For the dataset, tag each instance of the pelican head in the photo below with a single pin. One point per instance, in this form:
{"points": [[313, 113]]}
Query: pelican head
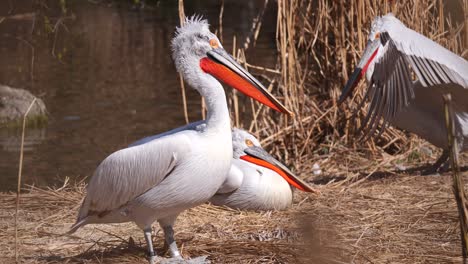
{"points": [[192, 43], [246, 147], [375, 48], [199, 56]]}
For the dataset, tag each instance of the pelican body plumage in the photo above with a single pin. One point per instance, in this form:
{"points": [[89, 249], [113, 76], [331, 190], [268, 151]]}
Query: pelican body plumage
{"points": [[182, 168], [256, 180]]}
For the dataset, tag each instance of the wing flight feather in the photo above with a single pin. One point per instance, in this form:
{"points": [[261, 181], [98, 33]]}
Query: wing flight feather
{"points": [[391, 85]]}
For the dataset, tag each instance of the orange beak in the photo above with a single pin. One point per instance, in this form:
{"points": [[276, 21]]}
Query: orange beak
{"points": [[260, 157], [222, 66], [369, 54]]}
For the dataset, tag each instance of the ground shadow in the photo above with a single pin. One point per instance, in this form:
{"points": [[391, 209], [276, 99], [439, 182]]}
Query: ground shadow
{"points": [[105, 252], [114, 254], [415, 171]]}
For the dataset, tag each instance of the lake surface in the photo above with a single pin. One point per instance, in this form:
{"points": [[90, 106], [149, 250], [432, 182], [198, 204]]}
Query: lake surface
{"points": [[105, 72]]}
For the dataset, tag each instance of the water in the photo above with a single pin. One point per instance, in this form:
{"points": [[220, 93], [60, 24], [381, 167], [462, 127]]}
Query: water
{"points": [[106, 77]]}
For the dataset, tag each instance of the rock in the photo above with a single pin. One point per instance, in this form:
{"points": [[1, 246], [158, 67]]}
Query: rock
{"points": [[15, 102], [316, 169]]}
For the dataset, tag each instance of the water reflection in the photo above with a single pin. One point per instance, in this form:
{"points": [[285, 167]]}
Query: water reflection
{"points": [[10, 140], [106, 77]]}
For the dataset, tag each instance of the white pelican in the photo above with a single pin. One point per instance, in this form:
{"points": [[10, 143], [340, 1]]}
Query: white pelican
{"points": [[184, 167], [256, 180], [395, 55]]}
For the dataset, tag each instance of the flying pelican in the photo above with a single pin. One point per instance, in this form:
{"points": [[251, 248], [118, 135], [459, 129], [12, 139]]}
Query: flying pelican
{"points": [[182, 168], [396, 55], [256, 180]]}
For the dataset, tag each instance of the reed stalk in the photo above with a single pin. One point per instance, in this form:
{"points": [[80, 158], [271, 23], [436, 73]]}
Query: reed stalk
{"points": [[458, 185], [20, 171], [182, 84]]}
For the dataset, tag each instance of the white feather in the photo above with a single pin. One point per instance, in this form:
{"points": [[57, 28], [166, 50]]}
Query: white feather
{"points": [[249, 186]]}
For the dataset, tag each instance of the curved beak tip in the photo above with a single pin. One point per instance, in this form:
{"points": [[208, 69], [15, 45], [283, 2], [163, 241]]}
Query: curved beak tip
{"points": [[315, 191], [259, 156]]}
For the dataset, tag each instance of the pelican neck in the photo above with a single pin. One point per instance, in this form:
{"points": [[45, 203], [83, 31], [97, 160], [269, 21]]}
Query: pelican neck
{"points": [[216, 105]]}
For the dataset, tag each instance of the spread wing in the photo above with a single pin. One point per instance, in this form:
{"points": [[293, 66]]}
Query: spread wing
{"points": [[391, 84], [390, 88], [130, 172]]}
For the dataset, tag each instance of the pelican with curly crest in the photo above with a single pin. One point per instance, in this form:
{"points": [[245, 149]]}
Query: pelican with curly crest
{"points": [[181, 168]]}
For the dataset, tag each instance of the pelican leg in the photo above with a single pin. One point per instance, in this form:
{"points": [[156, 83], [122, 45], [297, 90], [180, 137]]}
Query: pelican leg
{"points": [[152, 256], [441, 163], [170, 242], [167, 224], [176, 258]]}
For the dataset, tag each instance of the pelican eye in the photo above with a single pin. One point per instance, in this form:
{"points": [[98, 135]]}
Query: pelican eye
{"points": [[214, 43], [377, 35], [249, 143]]}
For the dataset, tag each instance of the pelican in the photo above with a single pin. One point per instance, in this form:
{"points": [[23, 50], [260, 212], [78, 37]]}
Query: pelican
{"points": [[182, 168], [408, 74], [256, 180]]}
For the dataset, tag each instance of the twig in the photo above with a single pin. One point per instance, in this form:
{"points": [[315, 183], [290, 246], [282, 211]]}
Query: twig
{"points": [[256, 26], [221, 12], [458, 186], [182, 85], [20, 169]]}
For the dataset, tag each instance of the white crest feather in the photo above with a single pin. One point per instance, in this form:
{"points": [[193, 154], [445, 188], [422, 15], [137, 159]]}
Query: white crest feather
{"points": [[193, 23]]}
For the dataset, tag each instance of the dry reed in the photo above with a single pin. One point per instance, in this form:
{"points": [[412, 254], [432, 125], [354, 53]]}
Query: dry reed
{"points": [[319, 43], [20, 170], [458, 185], [182, 84]]}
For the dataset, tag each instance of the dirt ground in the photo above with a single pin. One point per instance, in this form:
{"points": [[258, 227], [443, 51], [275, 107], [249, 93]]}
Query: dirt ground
{"points": [[384, 218]]}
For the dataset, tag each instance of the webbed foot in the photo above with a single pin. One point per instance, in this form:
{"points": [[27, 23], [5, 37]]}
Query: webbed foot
{"points": [[180, 260]]}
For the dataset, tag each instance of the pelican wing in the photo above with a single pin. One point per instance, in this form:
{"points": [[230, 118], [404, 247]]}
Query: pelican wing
{"points": [[432, 63], [390, 87], [391, 84], [130, 172], [198, 125]]}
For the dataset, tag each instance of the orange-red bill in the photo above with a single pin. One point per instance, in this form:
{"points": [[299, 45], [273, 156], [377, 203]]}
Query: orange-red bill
{"points": [[370, 52], [290, 178], [355, 78], [364, 69], [220, 65]]}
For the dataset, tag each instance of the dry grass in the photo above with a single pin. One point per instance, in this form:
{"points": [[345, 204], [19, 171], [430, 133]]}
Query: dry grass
{"points": [[389, 218], [398, 219], [225, 235]]}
